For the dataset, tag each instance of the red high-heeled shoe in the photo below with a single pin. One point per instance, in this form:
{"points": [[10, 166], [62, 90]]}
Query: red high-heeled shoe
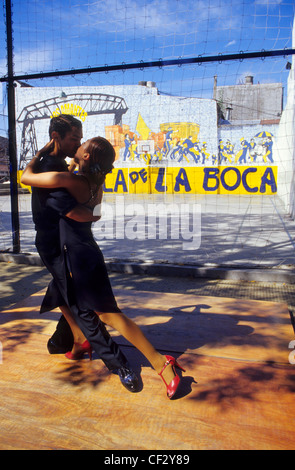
{"points": [[82, 349], [172, 387]]}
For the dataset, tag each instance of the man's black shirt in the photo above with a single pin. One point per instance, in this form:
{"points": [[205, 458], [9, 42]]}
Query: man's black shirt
{"points": [[46, 216]]}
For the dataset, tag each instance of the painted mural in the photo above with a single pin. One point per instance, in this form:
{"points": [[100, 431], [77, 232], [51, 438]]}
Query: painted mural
{"points": [[154, 155], [179, 143], [175, 160]]}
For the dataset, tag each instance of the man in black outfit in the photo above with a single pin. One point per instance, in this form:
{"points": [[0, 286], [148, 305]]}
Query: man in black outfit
{"points": [[48, 205]]}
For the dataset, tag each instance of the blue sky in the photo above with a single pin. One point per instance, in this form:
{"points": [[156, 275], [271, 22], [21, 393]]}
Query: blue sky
{"points": [[78, 33], [64, 34]]}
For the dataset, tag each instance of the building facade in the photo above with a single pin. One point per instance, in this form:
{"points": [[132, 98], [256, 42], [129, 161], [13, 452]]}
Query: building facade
{"points": [[163, 144]]}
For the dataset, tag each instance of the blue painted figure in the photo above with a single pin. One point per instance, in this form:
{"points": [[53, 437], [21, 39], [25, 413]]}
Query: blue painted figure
{"points": [[128, 143], [268, 144]]}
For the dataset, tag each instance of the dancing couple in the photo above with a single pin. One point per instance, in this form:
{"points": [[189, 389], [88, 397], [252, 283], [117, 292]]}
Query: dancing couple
{"points": [[63, 205]]}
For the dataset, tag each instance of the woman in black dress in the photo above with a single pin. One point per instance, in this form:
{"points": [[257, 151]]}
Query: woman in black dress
{"points": [[88, 282]]}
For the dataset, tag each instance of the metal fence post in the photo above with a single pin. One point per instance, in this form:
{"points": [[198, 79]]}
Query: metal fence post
{"points": [[12, 133]]}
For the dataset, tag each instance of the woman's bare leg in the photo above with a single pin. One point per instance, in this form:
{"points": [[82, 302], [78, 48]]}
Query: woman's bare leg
{"points": [[127, 328], [79, 337]]}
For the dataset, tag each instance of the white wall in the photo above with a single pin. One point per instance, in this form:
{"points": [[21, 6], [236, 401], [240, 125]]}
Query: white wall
{"points": [[155, 110], [285, 145]]}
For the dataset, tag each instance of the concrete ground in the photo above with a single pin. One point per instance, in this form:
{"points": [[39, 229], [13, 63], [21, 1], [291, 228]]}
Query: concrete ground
{"points": [[244, 247], [19, 281], [207, 231]]}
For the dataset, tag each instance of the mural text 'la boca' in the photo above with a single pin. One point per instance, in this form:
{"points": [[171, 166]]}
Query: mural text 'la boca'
{"points": [[194, 180]]}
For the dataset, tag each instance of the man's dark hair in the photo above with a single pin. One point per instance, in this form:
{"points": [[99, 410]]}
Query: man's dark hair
{"points": [[63, 124]]}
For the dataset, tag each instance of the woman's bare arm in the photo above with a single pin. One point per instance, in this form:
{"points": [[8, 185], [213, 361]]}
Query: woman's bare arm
{"points": [[76, 185], [82, 214], [54, 179]]}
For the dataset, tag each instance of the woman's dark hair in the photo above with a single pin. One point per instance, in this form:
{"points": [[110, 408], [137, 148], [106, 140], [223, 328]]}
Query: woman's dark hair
{"points": [[102, 155], [63, 124]]}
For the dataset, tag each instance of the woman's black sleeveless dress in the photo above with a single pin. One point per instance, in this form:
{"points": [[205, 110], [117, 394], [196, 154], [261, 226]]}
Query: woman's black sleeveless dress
{"points": [[85, 282]]}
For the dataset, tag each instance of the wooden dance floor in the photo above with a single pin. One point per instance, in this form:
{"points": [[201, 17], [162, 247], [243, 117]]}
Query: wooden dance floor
{"points": [[238, 391]]}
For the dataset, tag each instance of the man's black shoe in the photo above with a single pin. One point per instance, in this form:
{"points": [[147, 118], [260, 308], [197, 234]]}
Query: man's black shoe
{"points": [[128, 378], [54, 349]]}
